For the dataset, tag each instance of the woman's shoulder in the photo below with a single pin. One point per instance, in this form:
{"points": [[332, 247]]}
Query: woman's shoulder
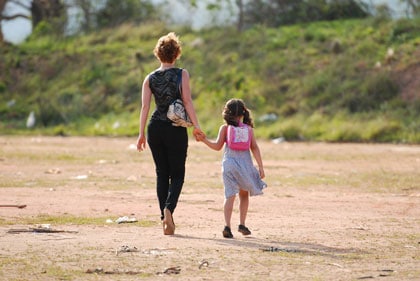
{"points": [[146, 79], [185, 72]]}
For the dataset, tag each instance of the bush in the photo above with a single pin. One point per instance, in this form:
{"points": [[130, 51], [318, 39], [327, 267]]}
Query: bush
{"points": [[292, 133], [383, 131], [2, 87], [376, 90], [405, 29]]}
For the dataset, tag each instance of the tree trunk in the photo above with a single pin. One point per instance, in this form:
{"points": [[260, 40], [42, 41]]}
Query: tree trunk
{"points": [[85, 6], [240, 5], [2, 6]]}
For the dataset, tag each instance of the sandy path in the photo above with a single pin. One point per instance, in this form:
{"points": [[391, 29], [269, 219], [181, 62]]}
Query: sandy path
{"points": [[331, 212]]}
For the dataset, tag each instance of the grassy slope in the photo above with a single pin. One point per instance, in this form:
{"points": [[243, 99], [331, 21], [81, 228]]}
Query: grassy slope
{"points": [[320, 80]]}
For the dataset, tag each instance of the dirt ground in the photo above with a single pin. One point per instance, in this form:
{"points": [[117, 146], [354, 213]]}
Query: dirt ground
{"points": [[330, 212]]}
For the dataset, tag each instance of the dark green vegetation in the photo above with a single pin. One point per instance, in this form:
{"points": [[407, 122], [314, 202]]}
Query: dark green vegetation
{"points": [[352, 80]]}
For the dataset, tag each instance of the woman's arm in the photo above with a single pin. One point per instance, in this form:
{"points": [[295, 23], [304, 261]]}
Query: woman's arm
{"points": [[189, 106], [220, 141], [257, 155], [187, 99], [146, 97]]}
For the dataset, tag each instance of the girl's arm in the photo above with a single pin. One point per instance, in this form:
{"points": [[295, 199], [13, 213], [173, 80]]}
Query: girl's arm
{"points": [[257, 155], [146, 96], [220, 141]]}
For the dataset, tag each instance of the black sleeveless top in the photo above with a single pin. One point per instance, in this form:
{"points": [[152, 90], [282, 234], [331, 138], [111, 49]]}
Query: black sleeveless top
{"points": [[165, 88]]}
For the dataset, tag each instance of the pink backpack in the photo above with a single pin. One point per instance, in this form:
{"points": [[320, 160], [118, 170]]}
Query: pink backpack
{"points": [[239, 138]]}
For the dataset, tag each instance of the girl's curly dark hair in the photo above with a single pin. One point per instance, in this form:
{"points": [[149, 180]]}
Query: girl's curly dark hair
{"points": [[235, 108]]}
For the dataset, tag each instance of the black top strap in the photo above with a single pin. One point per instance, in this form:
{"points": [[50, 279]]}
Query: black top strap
{"points": [[180, 82]]}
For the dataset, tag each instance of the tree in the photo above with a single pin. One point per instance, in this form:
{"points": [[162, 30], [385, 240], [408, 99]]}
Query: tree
{"points": [[240, 24], [5, 16], [51, 11], [86, 8], [413, 7], [45, 10], [86, 12], [218, 5], [108, 13]]}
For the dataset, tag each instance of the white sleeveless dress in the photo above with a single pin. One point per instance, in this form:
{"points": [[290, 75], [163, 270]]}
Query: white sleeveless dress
{"points": [[239, 172]]}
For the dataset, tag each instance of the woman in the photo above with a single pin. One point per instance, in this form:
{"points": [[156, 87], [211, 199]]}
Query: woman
{"points": [[168, 143]]}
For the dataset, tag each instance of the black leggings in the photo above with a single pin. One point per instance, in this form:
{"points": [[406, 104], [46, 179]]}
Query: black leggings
{"points": [[169, 146]]}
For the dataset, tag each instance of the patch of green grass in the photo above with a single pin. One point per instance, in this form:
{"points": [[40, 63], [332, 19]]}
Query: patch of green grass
{"points": [[12, 183], [5, 261], [68, 220], [59, 273], [385, 181], [30, 264], [34, 156], [13, 264], [342, 127], [308, 180], [369, 181]]}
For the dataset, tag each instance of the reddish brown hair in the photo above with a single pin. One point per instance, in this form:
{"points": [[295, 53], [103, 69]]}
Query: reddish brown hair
{"points": [[168, 48]]}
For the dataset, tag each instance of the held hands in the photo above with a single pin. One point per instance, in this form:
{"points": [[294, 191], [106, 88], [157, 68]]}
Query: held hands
{"points": [[198, 134]]}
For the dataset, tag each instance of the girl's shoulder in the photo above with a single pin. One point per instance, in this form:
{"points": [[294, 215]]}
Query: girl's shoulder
{"points": [[250, 128]]}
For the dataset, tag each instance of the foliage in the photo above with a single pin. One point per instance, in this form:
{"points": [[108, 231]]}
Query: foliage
{"points": [[328, 80], [283, 12], [115, 13]]}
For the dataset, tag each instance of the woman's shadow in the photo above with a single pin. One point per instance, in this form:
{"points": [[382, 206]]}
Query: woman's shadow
{"points": [[251, 242]]}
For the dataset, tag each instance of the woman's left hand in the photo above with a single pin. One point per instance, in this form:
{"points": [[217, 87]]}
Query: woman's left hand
{"points": [[141, 143], [198, 134]]}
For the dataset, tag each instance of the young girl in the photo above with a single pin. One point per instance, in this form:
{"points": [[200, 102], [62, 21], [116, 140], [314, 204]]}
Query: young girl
{"points": [[239, 174]]}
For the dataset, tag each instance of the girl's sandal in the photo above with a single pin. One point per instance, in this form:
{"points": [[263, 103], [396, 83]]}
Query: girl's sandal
{"points": [[227, 233], [244, 230]]}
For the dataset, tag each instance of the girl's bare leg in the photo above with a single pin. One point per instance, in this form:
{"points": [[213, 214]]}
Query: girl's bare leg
{"points": [[243, 205], [228, 208]]}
